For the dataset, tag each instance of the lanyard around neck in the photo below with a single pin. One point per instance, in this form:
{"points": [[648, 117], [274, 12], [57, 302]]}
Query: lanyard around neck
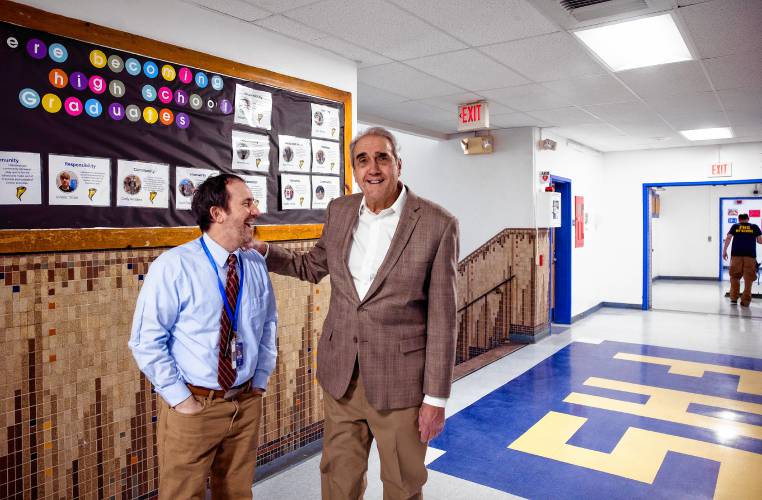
{"points": [[232, 315]]}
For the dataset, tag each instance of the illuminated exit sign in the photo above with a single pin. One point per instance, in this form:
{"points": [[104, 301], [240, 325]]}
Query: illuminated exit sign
{"points": [[721, 170], [473, 116]]}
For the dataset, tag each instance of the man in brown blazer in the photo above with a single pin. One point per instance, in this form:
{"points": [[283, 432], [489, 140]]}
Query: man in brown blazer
{"points": [[387, 351]]}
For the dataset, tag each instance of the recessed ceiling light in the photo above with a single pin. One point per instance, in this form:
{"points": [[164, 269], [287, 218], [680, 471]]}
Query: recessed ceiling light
{"points": [[636, 44], [705, 134]]}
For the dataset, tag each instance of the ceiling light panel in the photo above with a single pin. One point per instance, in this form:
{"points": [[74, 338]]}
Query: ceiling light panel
{"points": [[648, 41], [706, 134]]}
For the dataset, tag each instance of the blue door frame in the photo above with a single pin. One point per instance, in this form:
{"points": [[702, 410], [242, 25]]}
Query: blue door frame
{"points": [[563, 264], [646, 221], [719, 273]]}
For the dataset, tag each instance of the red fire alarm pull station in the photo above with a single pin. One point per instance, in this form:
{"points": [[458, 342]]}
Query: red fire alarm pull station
{"points": [[579, 221]]}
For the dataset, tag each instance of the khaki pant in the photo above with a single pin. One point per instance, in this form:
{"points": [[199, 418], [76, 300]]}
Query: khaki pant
{"points": [[746, 268], [221, 440], [351, 424]]}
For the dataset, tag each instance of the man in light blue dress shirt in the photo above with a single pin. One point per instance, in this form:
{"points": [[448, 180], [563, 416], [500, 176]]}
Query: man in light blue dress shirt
{"points": [[179, 324]]}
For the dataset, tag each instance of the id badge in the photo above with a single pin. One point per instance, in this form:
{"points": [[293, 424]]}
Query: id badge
{"points": [[232, 349], [239, 353]]}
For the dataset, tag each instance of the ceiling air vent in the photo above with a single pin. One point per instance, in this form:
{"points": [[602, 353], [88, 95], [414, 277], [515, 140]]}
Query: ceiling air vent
{"points": [[586, 10]]}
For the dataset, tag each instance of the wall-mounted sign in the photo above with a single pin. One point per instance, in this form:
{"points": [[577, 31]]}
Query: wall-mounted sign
{"points": [[473, 116], [721, 170]]}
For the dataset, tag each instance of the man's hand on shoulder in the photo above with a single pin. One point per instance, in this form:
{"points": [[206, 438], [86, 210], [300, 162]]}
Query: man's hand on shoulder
{"points": [[189, 406], [258, 245], [430, 421]]}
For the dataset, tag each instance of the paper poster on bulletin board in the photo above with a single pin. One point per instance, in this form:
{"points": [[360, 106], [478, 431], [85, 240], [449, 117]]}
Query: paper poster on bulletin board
{"points": [[105, 138]]}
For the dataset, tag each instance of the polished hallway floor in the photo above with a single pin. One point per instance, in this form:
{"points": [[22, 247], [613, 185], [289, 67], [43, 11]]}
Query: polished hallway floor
{"points": [[702, 296], [624, 404]]}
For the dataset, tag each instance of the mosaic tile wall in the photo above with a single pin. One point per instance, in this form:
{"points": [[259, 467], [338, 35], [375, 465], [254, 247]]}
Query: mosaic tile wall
{"points": [[77, 419], [502, 292]]}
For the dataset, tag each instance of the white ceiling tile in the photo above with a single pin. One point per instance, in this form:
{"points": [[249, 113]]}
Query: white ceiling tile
{"points": [[564, 117], [742, 99], [509, 120], [627, 112], [437, 126], [745, 118], [404, 80], [724, 27], [556, 56], [378, 26], [290, 28], [491, 21], [526, 97], [450, 102], [412, 112], [361, 56], [235, 8], [279, 5], [601, 89], [594, 129], [645, 130], [679, 103], [629, 143], [666, 79], [372, 96], [695, 119], [736, 71], [469, 69], [748, 131]]}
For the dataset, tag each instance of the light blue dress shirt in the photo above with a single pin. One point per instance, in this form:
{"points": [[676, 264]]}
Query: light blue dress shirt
{"points": [[176, 327]]}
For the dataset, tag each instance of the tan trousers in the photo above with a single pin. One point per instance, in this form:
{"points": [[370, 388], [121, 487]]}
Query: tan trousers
{"points": [[221, 440], [746, 268], [351, 424]]}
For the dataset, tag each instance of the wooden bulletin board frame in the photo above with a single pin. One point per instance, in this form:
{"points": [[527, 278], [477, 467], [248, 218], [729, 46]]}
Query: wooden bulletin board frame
{"points": [[54, 240]]}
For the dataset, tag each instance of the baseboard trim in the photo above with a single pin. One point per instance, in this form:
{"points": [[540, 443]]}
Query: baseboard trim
{"points": [[525, 338], [686, 278], [586, 313], [599, 305], [288, 460], [622, 305]]}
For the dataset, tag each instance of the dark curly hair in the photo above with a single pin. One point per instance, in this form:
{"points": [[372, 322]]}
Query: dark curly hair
{"points": [[213, 192]]}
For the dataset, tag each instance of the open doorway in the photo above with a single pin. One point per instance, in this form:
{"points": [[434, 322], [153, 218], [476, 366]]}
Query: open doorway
{"points": [[560, 289], [684, 227]]}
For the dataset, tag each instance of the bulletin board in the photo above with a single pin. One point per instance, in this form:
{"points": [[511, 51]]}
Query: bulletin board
{"points": [[105, 136]]}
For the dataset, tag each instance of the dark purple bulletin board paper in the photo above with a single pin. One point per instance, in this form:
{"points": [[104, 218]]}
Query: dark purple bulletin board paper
{"points": [[206, 143]]}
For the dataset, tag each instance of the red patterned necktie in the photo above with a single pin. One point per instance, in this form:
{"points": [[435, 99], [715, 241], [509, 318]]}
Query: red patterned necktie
{"points": [[226, 374]]}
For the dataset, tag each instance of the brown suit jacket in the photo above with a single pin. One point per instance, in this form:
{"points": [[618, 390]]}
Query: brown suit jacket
{"points": [[403, 332]]}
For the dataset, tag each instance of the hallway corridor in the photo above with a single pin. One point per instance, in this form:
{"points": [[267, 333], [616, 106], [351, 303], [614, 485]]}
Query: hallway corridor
{"points": [[624, 404]]}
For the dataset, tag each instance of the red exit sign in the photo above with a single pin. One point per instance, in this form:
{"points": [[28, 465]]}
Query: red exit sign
{"points": [[473, 116], [721, 170]]}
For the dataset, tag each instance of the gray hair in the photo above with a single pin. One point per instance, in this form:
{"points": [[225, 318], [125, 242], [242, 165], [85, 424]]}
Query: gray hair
{"points": [[376, 131]]}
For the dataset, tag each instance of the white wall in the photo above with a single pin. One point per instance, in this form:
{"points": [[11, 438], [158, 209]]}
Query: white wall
{"points": [[487, 193], [585, 169], [185, 25], [686, 236], [621, 221]]}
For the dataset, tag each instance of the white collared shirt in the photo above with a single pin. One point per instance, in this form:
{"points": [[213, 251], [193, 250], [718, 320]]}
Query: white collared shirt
{"points": [[371, 239]]}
